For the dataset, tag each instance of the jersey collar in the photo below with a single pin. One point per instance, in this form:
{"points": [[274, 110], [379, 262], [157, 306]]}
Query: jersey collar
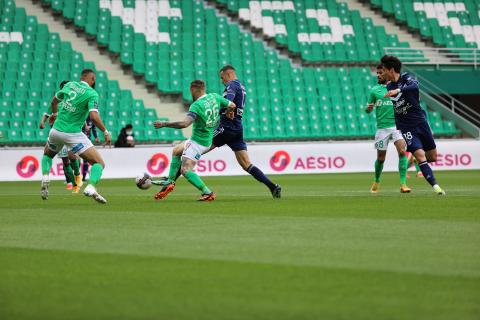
{"points": [[85, 83], [201, 96]]}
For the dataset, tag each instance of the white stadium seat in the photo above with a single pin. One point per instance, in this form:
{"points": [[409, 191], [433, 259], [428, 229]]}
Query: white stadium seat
{"points": [[288, 5], [303, 37], [244, 14], [311, 13], [16, 37], [268, 26], [460, 6], [418, 6], [277, 5], [128, 16], [280, 29], [315, 37], [450, 6], [117, 8], [4, 37]]}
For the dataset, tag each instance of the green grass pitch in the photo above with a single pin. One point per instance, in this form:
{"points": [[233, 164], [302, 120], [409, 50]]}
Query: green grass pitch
{"points": [[327, 250]]}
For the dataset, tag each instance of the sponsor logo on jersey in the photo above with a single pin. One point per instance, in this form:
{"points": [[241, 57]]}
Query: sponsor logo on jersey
{"points": [[157, 163], [280, 160], [27, 166]]}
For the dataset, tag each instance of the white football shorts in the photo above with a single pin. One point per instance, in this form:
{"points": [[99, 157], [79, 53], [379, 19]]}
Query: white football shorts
{"points": [[384, 136], [78, 143], [193, 150]]}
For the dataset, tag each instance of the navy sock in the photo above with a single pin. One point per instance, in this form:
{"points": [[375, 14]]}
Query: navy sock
{"points": [[427, 173], [260, 176], [84, 170]]}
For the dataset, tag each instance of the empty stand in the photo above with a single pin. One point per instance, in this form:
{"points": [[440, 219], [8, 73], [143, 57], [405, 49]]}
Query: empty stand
{"points": [[34, 61]]}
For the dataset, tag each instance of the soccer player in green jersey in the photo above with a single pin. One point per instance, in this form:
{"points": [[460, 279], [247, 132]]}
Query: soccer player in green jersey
{"points": [[204, 114], [386, 132], [74, 102], [71, 165]]}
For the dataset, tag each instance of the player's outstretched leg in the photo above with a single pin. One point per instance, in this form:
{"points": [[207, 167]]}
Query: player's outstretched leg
{"points": [[244, 161], [427, 171], [93, 157]]}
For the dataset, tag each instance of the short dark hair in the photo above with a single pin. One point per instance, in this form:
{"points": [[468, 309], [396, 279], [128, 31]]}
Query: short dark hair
{"points": [[390, 62], [379, 66], [63, 83], [198, 84], [87, 71], [227, 67], [129, 126]]}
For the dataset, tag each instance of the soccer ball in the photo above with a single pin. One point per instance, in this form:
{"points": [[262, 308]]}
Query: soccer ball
{"points": [[143, 181]]}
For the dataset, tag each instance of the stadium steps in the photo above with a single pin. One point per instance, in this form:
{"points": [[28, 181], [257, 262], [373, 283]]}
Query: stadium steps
{"points": [[171, 110], [367, 11]]}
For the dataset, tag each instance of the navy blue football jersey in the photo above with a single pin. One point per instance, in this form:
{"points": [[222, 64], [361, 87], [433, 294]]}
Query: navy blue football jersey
{"points": [[406, 104], [235, 92]]}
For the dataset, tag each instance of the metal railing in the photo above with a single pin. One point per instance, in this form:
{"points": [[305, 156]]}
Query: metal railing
{"points": [[463, 113], [437, 56]]}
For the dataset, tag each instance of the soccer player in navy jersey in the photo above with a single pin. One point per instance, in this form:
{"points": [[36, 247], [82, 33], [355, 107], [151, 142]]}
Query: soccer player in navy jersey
{"points": [[230, 130], [410, 118]]}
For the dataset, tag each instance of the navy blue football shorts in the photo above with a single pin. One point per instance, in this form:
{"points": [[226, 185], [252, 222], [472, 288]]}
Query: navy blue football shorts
{"points": [[418, 137], [231, 138]]}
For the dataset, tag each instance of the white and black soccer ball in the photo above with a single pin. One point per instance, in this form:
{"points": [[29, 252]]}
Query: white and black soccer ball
{"points": [[143, 181]]}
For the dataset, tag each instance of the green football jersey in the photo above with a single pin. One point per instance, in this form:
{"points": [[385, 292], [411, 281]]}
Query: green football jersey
{"points": [[76, 100], [207, 109], [383, 107]]}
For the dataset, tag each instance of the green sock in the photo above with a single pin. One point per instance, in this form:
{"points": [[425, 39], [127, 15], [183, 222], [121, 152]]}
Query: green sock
{"points": [[69, 174], [46, 165], [378, 170], [174, 167], [75, 166], [95, 173], [417, 167], [194, 179], [402, 169]]}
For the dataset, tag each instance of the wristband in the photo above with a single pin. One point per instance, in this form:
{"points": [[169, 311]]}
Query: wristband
{"points": [[106, 132]]}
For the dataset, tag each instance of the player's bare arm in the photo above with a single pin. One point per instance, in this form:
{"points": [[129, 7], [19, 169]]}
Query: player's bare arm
{"points": [[97, 121], [44, 119], [54, 106], [230, 111], [370, 107], [176, 125], [392, 93]]}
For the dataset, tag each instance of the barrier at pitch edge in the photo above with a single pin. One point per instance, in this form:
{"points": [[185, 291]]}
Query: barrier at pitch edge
{"points": [[289, 158]]}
